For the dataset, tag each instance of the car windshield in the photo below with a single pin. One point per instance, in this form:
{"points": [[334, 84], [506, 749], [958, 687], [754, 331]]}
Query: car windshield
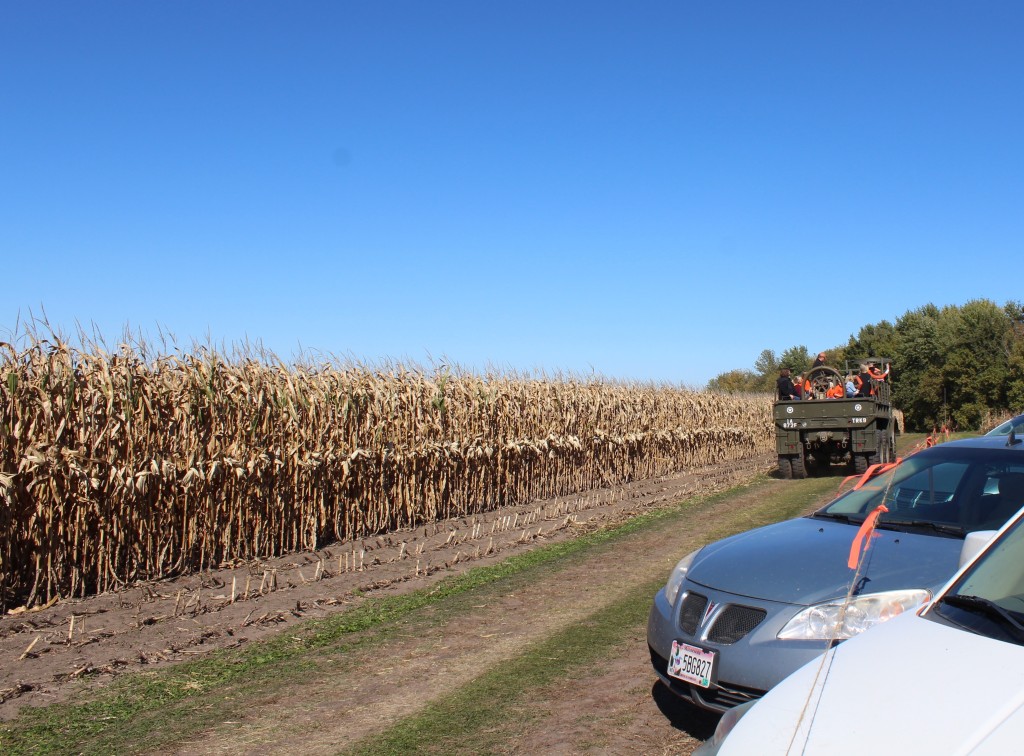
{"points": [[1016, 424], [988, 598], [949, 490]]}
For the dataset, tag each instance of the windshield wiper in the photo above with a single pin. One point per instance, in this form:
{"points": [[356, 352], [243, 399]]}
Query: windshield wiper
{"points": [[987, 607], [945, 528], [854, 519]]}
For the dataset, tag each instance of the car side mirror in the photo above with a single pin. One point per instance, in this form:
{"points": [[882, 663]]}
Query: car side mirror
{"points": [[973, 544]]}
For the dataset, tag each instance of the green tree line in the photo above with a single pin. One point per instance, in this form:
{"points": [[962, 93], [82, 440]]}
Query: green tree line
{"points": [[961, 365]]}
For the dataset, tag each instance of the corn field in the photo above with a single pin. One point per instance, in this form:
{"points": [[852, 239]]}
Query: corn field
{"points": [[120, 465]]}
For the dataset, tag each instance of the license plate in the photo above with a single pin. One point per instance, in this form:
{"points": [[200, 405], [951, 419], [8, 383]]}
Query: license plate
{"points": [[692, 664]]}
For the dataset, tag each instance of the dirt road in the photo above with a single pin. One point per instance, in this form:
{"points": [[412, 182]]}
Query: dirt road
{"points": [[345, 699]]}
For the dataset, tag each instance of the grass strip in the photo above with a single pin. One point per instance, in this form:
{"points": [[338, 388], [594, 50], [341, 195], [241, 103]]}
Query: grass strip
{"points": [[147, 710], [478, 717], [136, 710], [466, 721]]}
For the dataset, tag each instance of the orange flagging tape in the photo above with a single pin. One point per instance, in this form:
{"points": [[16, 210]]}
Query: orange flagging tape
{"points": [[862, 536], [873, 471], [846, 480], [869, 473]]}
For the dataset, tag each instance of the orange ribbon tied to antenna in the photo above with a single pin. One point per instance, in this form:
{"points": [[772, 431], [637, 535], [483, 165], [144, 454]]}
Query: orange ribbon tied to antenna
{"points": [[863, 532]]}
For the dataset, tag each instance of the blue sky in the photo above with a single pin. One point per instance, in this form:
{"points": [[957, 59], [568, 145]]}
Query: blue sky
{"points": [[653, 190]]}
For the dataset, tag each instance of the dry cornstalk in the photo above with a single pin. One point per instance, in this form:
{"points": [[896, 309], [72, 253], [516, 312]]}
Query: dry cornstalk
{"points": [[28, 651], [268, 458]]}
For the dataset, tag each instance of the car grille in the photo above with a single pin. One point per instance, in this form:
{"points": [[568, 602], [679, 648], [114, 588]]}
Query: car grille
{"points": [[691, 612], [734, 622], [724, 696]]}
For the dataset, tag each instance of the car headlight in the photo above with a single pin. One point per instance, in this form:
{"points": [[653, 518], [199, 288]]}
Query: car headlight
{"points": [[675, 580], [828, 621]]}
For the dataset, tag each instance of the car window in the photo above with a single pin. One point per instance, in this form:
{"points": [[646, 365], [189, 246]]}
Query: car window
{"points": [[975, 491], [919, 483], [999, 576], [1015, 424], [988, 598], [929, 493], [1002, 495]]}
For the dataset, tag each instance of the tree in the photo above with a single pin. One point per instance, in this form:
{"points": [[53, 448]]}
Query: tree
{"points": [[797, 359], [766, 363], [874, 340], [918, 389], [837, 356], [1014, 349], [767, 367], [735, 382], [976, 367], [958, 363]]}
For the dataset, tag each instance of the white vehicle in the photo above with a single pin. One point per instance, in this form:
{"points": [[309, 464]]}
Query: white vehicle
{"points": [[948, 678]]}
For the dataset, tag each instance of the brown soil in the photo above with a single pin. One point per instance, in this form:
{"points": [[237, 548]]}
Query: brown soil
{"points": [[50, 654]]}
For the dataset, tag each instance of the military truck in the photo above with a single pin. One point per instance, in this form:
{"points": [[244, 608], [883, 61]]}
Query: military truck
{"points": [[816, 432]]}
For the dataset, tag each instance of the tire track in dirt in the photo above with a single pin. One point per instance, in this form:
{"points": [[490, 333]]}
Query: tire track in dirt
{"points": [[340, 707], [52, 654]]}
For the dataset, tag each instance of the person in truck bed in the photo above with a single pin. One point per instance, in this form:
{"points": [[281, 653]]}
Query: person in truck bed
{"points": [[863, 381], [784, 385], [801, 388], [877, 374]]}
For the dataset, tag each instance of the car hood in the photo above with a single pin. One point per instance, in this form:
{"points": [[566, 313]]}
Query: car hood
{"points": [[918, 676], [804, 561]]}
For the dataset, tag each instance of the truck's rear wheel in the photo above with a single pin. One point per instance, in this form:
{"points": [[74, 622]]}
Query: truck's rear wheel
{"points": [[888, 453], [860, 464], [876, 457], [799, 470], [785, 468]]}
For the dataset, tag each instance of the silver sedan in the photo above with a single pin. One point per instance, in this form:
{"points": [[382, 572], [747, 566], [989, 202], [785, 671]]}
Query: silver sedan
{"points": [[739, 615]]}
